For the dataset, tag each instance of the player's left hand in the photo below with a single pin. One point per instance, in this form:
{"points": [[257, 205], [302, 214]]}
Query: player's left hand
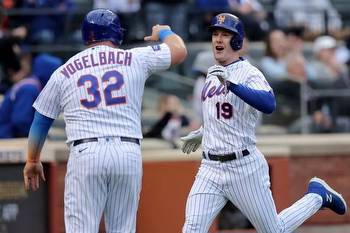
{"points": [[192, 141], [32, 173]]}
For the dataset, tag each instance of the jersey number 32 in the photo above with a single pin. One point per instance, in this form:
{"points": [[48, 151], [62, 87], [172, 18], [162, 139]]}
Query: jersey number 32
{"points": [[95, 91]]}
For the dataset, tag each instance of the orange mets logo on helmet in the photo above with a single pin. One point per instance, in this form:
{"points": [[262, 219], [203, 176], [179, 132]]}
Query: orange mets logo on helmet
{"points": [[221, 19]]}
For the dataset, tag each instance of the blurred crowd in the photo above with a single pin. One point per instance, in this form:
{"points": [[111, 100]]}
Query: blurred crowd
{"points": [[282, 26], [52, 21]]}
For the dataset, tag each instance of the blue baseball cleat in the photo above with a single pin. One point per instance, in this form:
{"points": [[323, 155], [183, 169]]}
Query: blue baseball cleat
{"points": [[331, 199]]}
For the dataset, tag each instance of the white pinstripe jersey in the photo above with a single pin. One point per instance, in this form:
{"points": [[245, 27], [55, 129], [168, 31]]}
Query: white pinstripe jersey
{"points": [[229, 122], [99, 90]]}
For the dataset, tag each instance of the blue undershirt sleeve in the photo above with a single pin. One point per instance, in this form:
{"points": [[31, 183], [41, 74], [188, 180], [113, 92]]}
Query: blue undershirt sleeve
{"points": [[261, 100], [39, 130]]}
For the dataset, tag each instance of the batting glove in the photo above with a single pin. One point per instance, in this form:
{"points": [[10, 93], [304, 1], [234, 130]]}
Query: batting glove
{"points": [[222, 73], [192, 141]]}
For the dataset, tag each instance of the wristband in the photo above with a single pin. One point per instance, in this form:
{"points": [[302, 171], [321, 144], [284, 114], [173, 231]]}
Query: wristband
{"points": [[165, 33]]}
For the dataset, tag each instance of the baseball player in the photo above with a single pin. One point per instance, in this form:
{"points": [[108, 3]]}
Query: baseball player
{"points": [[99, 91], [233, 169]]}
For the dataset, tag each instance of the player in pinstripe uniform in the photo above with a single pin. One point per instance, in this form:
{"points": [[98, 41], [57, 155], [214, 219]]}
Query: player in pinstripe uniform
{"points": [[99, 91], [233, 169]]}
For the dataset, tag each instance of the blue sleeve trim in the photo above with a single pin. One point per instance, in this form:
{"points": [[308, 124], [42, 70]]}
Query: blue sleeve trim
{"points": [[39, 129], [264, 101], [165, 33]]}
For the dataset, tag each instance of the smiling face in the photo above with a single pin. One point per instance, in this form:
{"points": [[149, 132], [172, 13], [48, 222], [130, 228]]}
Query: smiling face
{"points": [[223, 52]]}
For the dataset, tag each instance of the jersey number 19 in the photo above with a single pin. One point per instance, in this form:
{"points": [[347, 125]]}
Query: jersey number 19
{"points": [[224, 110]]}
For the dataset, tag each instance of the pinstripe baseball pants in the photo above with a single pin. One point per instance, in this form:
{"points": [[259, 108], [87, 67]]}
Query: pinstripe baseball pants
{"points": [[103, 177], [246, 183]]}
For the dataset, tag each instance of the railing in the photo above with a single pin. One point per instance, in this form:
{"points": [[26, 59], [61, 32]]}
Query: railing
{"points": [[307, 93]]}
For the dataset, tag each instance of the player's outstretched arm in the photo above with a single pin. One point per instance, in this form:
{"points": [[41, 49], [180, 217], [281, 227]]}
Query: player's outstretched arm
{"points": [[176, 44], [192, 141], [33, 170]]}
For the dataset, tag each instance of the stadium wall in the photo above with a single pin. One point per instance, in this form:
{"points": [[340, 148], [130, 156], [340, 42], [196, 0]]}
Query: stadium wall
{"points": [[168, 176]]}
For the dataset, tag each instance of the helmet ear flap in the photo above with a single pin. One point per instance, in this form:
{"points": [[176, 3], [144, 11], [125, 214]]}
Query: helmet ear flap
{"points": [[120, 36], [236, 42]]}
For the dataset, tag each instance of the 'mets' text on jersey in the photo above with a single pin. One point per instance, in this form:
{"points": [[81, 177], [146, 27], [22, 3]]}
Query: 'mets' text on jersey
{"points": [[100, 90], [229, 121]]}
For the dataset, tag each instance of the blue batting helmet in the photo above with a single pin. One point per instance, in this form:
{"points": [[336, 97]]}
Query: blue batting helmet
{"points": [[232, 24], [102, 25]]}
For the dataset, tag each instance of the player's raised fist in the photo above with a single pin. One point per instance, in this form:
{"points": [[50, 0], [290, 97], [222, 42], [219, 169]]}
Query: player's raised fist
{"points": [[155, 31], [219, 71]]}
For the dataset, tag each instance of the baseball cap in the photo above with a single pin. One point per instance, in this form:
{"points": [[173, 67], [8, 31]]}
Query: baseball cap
{"points": [[44, 65], [324, 42]]}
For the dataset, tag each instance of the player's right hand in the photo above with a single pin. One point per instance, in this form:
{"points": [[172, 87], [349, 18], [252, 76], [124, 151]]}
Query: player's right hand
{"points": [[32, 173], [192, 141], [220, 72], [155, 31]]}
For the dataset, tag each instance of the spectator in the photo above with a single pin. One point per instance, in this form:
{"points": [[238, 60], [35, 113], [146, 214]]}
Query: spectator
{"points": [[9, 62], [321, 122], [202, 62], [171, 120], [285, 67], [171, 12], [120, 6], [295, 40], [273, 63], [16, 31], [250, 12], [297, 70], [253, 16], [328, 71], [205, 10], [312, 14], [46, 28], [284, 59], [11, 23], [129, 12], [212, 5], [10, 41], [16, 110]]}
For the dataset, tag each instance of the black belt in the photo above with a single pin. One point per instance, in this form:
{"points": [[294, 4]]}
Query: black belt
{"points": [[225, 157], [123, 139]]}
